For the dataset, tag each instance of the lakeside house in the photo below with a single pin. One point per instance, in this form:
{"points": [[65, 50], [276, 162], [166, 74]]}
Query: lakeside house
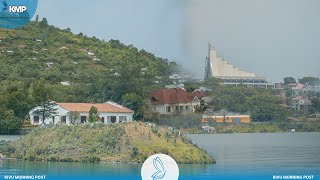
{"points": [[176, 100], [109, 112]]}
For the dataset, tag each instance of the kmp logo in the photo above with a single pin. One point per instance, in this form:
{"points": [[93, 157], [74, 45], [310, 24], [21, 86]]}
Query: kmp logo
{"points": [[17, 9], [13, 9], [16, 13]]}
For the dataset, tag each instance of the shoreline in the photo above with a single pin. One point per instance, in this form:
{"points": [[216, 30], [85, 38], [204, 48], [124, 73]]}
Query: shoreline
{"points": [[115, 144], [186, 133]]}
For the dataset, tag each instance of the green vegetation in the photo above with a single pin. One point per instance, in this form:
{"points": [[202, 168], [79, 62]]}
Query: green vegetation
{"points": [[289, 80], [181, 121], [261, 104], [38, 57], [132, 142], [93, 114], [310, 81]]}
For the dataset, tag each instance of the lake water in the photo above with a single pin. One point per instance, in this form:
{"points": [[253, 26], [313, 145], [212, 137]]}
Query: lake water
{"points": [[238, 156]]}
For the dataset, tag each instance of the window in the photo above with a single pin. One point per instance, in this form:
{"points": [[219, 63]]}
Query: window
{"points": [[154, 109], [177, 108], [83, 119], [181, 108], [36, 119], [53, 119], [168, 109], [112, 119], [122, 119], [187, 108], [63, 119]]}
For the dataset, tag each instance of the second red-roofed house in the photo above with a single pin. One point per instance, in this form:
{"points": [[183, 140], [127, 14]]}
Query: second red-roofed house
{"points": [[176, 100]]}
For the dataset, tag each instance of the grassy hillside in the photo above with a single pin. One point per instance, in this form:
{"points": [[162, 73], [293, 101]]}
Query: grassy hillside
{"points": [[37, 58], [43, 52], [132, 142]]}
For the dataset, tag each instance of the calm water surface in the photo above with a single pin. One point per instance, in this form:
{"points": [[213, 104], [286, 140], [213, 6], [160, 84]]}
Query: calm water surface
{"points": [[236, 154]]}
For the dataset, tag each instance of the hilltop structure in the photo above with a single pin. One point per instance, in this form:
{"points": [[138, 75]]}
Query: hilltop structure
{"points": [[218, 67]]}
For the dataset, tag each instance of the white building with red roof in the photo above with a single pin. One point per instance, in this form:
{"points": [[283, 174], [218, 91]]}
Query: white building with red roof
{"points": [[176, 100], [109, 113]]}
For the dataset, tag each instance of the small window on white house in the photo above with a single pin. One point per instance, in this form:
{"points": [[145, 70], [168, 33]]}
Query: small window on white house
{"points": [[122, 119], [168, 109], [111, 119], [187, 108], [64, 119], [181, 109], [36, 119], [177, 108], [83, 119]]}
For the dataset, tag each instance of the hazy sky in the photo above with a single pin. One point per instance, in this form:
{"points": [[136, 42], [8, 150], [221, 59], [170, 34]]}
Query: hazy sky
{"points": [[272, 38]]}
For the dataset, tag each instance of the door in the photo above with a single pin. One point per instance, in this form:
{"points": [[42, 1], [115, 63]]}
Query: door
{"points": [[83, 119]]}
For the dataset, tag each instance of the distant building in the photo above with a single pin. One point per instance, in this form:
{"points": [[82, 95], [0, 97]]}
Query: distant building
{"points": [[297, 89], [172, 86], [177, 100], [65, 83], [109, 112], [300, 103], [279, 85], [226, 118], [218, 67]]}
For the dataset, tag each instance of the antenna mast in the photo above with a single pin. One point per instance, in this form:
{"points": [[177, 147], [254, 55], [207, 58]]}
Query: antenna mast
{"points": [[207, 70]]}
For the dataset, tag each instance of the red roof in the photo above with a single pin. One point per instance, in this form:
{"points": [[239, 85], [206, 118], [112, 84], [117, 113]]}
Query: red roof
{"points": [[173, 96], [85, 107]]}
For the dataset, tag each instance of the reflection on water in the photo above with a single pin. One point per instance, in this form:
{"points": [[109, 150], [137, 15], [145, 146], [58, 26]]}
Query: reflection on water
{"points": [[262, 153], [242, 154]]}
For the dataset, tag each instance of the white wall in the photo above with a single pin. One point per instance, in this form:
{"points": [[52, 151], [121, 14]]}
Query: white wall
{"points": [[161, 109], [60, 112], [63, 112]]}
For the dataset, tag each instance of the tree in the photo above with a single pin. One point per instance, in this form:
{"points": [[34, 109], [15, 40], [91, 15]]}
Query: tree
{"points": [[190, 86], [93, 114], [310, 81], [68, 29], [201, 108], [134, 102], [213, 83], [46, 110], [73, 116], [43, 23], [315, 105], [289, 80], [8, 122], [46, 107]]}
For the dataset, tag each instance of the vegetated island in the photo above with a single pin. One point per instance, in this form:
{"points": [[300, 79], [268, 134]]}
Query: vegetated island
{"points": [[125, 143]]}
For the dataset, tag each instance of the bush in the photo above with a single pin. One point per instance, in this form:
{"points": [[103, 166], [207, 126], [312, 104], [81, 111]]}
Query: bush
{"points": [[135, 152]]}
